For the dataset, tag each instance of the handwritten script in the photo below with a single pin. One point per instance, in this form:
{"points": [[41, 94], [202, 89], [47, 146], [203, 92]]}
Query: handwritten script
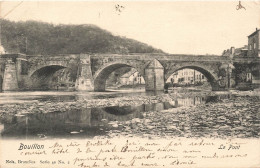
{"points": [[130, 153]]}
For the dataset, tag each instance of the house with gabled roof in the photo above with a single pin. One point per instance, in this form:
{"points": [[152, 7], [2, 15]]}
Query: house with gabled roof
{"points": [[133, 77]]}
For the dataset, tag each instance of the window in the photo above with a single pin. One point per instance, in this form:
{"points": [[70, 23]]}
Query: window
{"points": [[250, 47], [254, 45], [249, 77]]}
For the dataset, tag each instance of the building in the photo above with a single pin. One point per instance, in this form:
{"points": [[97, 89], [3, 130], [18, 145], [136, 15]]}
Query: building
{"points": [[187, 76], [132, 77], [2, 50], [254, 44], [235, 52], [250, 50]]}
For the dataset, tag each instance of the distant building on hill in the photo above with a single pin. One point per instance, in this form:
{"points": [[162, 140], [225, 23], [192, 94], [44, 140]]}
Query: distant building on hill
{"points": [[133, 77]]}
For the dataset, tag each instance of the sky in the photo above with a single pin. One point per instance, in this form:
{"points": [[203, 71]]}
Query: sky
{"points": [[176, 27]]}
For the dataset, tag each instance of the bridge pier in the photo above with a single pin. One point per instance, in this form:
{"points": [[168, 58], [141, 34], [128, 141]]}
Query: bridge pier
{"points": [[10, 81], [154, 76], [84, 81]]}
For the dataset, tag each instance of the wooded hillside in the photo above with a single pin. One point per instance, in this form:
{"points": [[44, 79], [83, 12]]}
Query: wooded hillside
{"points": [[40, 38]]}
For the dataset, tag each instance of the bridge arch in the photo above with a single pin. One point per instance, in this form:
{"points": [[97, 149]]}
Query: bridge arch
{"points": [[35, 68], [43, 74], [206, 71], [103, 73], [46, 69]]}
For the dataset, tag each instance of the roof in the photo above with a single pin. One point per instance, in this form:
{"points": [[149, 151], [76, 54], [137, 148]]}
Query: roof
{"points": [[128, 74], [237, 51], [254, 33]]}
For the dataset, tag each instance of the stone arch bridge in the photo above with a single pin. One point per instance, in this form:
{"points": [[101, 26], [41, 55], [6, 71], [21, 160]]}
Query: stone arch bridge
{"points": [[19, 72]]}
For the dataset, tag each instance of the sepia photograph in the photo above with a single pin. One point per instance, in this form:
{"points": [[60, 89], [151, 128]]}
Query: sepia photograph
{"points": [[129, 84]]}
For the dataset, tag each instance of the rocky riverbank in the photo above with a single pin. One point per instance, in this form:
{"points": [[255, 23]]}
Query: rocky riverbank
{"points": [[235, 117]]}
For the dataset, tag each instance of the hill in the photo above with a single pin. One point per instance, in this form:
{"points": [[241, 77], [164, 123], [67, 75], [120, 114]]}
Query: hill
{"points": [[39, 38]]}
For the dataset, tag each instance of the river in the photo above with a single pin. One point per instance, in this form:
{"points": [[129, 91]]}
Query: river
{"points": [[41, 115]]}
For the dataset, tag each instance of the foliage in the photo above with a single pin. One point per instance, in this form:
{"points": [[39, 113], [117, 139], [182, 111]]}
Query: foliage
{"points": [[38, 38]]}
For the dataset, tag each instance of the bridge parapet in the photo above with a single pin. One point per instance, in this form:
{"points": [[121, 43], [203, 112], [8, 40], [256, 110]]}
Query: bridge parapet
{"points": [[246, 60], [163, 57]]}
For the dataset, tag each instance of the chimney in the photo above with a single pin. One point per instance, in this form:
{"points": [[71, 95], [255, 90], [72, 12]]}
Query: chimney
{"points": [[232, 50], [256, 29]]}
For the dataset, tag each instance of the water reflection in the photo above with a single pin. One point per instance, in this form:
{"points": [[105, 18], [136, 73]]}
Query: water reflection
{"points": [[22, 97], [85, 122]]}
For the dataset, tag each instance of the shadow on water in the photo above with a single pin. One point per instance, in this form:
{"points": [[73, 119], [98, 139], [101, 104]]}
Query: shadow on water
{"points": [[86, 122], [20, 97]]}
